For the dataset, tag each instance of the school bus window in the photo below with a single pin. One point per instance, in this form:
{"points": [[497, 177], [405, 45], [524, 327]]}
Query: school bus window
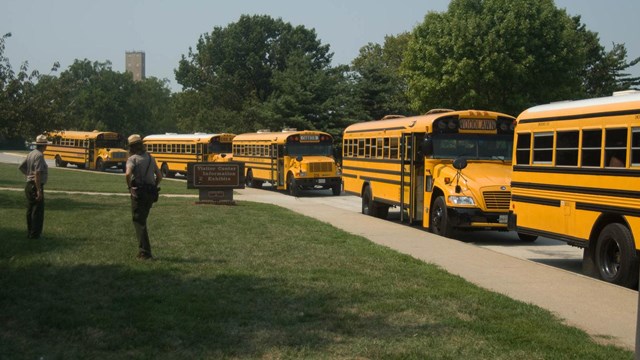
{"points": [[523, 151], [543, 148], [567, 148], [616, 147], [360, 147], [591, 147], [386, 148], [394, 148], [378, 148], [635, 147]]}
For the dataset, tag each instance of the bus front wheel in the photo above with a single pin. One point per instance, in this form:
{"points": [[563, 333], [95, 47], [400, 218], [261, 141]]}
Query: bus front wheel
{"points": [[439, 222], [616, 256], [292, 187], [100, 165], [336, 189]]}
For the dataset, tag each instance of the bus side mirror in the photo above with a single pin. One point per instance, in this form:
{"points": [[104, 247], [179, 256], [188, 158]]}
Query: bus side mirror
{"points": [[460, 163], [427, 147], [299, 158]]}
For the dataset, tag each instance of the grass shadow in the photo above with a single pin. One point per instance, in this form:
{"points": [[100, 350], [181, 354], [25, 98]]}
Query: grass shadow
{"points": [[116, 311]]}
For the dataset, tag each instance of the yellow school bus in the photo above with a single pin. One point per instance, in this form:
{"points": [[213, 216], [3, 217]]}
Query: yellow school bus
{"points": [[291, 160], [174, 151], [576, 178], [448, 169], [98, 150]]}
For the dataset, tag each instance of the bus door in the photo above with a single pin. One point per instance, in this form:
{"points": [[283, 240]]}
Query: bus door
{"points": [[90, 152], [280, 164], [200, 153], [273, 151], [412, 176]]}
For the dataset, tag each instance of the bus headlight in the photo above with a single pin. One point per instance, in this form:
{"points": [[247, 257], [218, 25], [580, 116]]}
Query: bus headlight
{"points": [[461, 200], [303, 173]]}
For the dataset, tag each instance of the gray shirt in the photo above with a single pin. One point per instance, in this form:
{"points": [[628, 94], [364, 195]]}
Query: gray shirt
{"points": [[143, 168], [35, 162]]}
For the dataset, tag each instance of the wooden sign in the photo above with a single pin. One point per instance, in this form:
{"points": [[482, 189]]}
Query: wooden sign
{"points": [[215, 175], [215, 180]]}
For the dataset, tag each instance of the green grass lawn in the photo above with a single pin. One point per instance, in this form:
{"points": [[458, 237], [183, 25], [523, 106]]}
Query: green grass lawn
{"points": [[245, 281]]}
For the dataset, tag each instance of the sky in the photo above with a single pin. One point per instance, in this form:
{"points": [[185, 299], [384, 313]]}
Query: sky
{"points": [[46, 31]]}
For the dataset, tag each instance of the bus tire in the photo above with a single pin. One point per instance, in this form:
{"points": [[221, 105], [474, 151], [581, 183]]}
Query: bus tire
{"points": [[164, 169], [336, 189], [371, 207], [438, 220], [616, 257], [256, 184], [527, 237], [59, 162], [292, 187], [99, 165], [248, 179], [367, 202]]}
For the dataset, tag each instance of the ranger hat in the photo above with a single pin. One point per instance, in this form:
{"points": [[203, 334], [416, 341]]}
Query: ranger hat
{"points": [[41, 140], [134, 139]]}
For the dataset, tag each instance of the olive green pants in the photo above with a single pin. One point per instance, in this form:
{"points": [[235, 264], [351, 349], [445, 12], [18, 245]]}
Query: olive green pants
{"points": [[35, 210], [140, 208]]}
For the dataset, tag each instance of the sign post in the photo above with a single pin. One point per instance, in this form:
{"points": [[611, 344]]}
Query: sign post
{"points": [[215, 181]]}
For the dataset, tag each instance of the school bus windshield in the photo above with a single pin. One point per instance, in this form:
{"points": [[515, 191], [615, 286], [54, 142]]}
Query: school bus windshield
{"points": [[473, 146], [219, 148], [113, 143], [302, 149]]}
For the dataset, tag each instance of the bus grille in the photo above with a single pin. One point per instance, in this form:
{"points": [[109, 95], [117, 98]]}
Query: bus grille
{"points": [[497, 200], [320, 167]]}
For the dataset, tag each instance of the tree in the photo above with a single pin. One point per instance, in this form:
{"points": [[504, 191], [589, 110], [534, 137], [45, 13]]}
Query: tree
{"points": [[259, 73], [380, 85], [606, 73], [91, 96], [15, 108], [498, 54]]}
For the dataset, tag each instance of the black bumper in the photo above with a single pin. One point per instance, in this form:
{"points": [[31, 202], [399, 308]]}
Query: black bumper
{"points": [[326, 183], [474, 218]]}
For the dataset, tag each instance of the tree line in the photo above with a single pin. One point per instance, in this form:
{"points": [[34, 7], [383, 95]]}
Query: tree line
{"points": [[265, 73]]}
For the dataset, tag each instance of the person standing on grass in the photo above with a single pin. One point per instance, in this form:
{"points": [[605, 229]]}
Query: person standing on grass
{"points": [[143, 177], [35, 168]]}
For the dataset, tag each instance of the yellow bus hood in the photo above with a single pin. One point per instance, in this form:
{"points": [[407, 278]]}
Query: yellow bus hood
{"points": [[478, 175]]}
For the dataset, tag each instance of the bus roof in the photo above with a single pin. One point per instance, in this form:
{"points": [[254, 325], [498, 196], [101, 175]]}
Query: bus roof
{"points": [[275, 137], [627, 101], [420, 123], [195, 137], [71, 134]]}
